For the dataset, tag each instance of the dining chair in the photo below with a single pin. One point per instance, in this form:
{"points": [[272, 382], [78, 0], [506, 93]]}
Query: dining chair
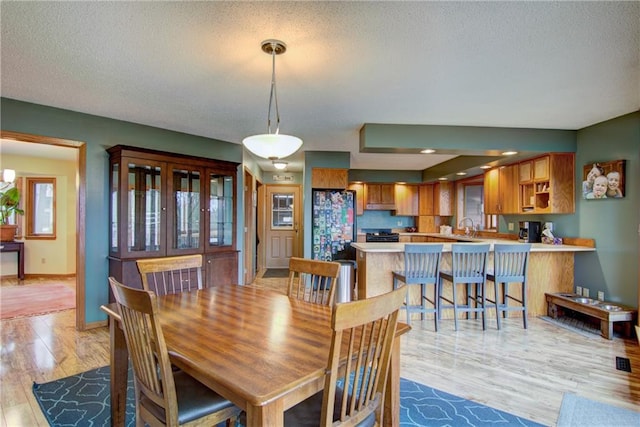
{"points": [[163, 397], [421, 267], [313, 280], [468, 267], [170, 275], [510, 264], [361, 345]]}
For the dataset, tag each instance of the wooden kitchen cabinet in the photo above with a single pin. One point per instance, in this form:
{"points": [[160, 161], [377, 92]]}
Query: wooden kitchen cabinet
{"points": [[425, 199], [443, 199], [221, 269], [406, 199], [359, 189], [379, 196], [328, 178], [552, 188], [501, 191], [167, 204]]}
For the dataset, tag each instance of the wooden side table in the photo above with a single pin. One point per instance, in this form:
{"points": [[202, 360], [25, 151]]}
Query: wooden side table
{"points": [[15, 247]]}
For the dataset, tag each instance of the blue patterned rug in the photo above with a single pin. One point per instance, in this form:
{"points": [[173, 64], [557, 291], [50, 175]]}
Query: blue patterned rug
{"points": [[83, 400]]}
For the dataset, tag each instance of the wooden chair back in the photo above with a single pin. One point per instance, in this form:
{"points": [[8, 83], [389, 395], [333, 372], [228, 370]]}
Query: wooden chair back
{"points": [[170, 275], [312, 280], [364, 331], [147, 351]]}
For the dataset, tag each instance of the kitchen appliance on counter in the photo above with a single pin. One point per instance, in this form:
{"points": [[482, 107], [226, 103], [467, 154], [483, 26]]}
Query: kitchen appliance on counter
{"points": [[382, 236], [530, 232], [333, 226]]}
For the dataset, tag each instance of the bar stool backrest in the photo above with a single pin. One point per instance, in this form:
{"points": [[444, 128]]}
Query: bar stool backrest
{"points": [[469, 262], [422, 263], [510, 262]]}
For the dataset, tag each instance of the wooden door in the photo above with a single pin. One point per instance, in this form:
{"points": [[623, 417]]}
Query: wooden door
{"points": [[283, 233], [250, 231]]}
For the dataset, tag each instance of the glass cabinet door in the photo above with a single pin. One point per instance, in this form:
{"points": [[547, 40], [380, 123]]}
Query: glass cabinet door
{"points": [[186, 215], [221, 210], [114, 218], [144, 208]]}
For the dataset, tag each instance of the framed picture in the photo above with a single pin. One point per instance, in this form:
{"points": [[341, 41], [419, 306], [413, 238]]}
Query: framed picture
{"points": [[603, 180]]}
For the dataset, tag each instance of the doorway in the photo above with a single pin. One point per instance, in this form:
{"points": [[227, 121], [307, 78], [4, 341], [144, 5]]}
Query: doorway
{"points": [[282, 219], [30, 142]]}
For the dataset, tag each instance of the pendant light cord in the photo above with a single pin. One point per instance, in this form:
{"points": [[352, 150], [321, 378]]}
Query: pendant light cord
{"points": [[274, 92]]}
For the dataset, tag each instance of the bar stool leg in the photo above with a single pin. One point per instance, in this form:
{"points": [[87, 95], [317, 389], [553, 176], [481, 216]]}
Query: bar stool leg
{"points": [[497, 287], [455, 308], [423, 299]]}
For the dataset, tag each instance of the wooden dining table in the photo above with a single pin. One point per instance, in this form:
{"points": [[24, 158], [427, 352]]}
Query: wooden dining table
{"points": [[258, 348]]}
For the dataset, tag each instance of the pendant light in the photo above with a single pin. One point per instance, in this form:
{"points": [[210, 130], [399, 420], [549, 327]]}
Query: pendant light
{"points": [[273, 146]]}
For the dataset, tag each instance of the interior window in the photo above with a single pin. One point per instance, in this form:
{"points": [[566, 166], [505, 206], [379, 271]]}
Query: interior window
{"points": [[41, 208], [470, 196]]}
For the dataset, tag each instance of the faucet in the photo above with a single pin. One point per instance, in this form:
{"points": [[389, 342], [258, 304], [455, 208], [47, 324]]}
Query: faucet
{"points": [[468, 232]]}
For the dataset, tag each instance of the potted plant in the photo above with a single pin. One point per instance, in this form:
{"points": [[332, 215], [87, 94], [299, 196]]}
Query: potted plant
{"points": [[9, 204]]}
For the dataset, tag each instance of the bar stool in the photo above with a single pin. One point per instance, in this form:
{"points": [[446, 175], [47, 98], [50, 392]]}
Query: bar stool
{"points": [[510, 263], [468, 266], [421, 267]]}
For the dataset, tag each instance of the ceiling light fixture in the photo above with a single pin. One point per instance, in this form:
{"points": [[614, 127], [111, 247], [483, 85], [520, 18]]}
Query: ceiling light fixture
{"points": [[509, 153], [280, 165], [485, 167], [428, 151], [461, 173], [8, 175], [273, 145]]}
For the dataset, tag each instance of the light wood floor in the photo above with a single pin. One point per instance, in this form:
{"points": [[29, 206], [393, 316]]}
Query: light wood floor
{"points": [[524, 372]]}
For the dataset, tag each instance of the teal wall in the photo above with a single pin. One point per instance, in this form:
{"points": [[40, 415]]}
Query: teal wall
{"points": [[613, 223], [100, 133]]}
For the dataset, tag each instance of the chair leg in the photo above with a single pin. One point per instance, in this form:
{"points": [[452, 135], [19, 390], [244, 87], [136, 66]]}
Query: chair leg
{"points": [[496, 287], [423, 299], [455, 307], [483, 287], [524, 304], [505, 299], [436, 304], [407, 307]]}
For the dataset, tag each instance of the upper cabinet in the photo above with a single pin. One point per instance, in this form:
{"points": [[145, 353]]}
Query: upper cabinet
{"points": [[406, 199], [379, 196], [359, 189], [443, 198], [547, 184], [165, 204], [501, 190], [327, 178], [425, 200]]}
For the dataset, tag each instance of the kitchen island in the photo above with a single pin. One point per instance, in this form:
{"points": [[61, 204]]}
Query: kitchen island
{"points": [[550, 270]]}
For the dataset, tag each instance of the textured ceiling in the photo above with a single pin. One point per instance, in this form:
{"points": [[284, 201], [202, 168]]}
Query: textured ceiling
{"points": [[197, 67]]}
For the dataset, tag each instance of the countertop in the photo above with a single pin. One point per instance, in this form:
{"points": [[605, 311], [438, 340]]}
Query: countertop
{"points": [[399, 247]]}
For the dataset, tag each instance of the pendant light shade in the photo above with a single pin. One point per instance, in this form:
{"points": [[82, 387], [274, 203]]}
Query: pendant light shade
{"points": [[273, 145]]}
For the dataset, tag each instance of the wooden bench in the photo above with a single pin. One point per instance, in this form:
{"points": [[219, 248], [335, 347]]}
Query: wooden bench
{"points": [[607, 312]]}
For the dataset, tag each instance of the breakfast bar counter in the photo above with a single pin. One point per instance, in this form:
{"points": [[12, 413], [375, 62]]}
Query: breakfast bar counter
{"points": [[551, 269]]}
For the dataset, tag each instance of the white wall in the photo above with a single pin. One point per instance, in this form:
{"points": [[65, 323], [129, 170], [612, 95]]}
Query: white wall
{"points": [[59, 255]]}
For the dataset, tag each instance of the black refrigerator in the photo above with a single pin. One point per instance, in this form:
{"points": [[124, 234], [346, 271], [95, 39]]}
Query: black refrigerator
{"points": [[333, 224]]}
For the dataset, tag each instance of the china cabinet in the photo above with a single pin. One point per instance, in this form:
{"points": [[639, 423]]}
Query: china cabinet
{"points": [[166, 204]]}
